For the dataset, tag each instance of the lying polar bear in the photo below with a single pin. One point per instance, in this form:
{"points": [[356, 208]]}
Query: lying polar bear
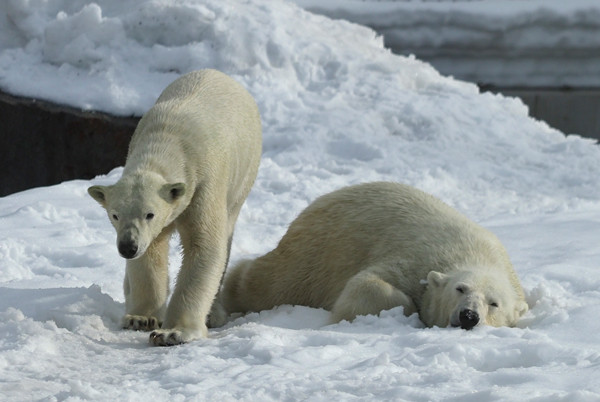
{"points": [[191, 163], [371, 247]]}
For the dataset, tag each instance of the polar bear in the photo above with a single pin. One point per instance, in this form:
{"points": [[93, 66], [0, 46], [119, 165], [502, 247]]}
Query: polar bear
{"points": [[191, 163], [375, 246]]}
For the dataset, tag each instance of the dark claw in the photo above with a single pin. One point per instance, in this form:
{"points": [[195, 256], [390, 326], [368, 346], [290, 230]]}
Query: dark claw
{"points": [[172, 339], [160, 339], [157, 339]]}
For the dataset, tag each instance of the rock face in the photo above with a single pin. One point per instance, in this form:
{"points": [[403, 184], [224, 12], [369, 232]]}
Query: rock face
{"points": [[43, 144]]}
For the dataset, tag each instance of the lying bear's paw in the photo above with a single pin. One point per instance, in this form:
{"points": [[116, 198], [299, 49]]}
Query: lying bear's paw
{"points": [[217, 317]]}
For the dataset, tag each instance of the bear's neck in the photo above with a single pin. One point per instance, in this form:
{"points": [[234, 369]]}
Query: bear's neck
{"points": [[162, 156]]}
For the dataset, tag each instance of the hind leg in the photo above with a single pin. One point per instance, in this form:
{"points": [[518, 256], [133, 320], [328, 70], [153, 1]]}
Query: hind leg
{"points": [[218, 315], [367, 293]]}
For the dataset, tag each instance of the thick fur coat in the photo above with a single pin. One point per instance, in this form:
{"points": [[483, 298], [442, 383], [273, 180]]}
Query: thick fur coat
{"points": [[375, 246], [191, 163]]}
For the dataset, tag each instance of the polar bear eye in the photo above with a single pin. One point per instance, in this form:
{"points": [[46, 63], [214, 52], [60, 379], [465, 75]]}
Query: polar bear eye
{"points": [[460, 289], [494, 304], [115, 217], [149, 216]]}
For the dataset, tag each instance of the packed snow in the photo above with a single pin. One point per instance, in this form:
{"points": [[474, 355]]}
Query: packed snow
{"points": [[539, 43], [338, 109]]}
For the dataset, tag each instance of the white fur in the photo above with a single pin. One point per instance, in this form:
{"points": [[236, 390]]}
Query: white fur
{"points": [[191, 163], [370, 247]]}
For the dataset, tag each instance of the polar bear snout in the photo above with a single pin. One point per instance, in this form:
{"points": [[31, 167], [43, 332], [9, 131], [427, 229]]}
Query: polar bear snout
{"points": [[128, 249], [468, 319], [128, 243]]}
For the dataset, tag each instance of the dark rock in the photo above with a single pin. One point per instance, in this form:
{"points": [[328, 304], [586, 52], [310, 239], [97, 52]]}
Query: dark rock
{"points": [[44, 144]]}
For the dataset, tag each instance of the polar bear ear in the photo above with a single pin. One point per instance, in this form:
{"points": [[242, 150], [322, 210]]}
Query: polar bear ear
{"points": [[436, 279], [172, 192], [99, 194]]}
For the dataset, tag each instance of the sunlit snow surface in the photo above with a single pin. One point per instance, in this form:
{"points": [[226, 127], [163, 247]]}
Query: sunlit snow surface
{"points": [[337, 109]]}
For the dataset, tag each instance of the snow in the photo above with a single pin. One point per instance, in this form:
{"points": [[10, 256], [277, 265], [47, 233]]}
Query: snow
{"points": [[338, 109], [517, 43]]}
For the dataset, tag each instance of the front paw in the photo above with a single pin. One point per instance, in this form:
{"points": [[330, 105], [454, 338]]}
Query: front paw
{"points": [[140, 322], [175, 336], [166, 337]]}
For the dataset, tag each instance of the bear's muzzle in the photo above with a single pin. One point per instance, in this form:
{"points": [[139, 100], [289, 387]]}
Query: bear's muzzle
{"points": [[468, 319], [128, 249]]}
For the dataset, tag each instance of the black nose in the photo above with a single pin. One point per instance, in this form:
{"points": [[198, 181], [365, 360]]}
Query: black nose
{"points": [[468, 319], [127, 249]]}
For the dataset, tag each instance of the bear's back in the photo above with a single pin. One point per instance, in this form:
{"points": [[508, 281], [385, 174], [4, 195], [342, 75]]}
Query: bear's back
{"points": [[200, 121], [204, 103], [385, 224]]}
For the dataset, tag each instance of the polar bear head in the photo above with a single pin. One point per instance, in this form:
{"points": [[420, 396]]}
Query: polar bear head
{"points": [[470, 297], [139, 207]]}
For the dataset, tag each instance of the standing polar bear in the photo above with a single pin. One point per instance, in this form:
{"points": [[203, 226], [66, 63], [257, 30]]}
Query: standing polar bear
{"points": [[191, 163], [371, 247]]}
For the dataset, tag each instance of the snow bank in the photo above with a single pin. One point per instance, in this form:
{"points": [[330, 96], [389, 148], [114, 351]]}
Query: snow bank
{"points": [[525, 43], [118, 57], [337, 109]]}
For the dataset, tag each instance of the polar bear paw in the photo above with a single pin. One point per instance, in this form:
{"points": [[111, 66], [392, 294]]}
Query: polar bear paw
{"points": [[176, 336], [140, 322], [217, 317], [166, 337]]}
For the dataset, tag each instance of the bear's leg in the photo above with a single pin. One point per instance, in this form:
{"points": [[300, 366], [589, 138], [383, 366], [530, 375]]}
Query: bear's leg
{"points": [[204, 238], [218, 314], [367, 293], [146, 286]]}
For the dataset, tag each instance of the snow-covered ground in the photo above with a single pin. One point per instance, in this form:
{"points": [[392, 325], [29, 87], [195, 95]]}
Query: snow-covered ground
{"points": [[337, 109], [539, 43]]}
